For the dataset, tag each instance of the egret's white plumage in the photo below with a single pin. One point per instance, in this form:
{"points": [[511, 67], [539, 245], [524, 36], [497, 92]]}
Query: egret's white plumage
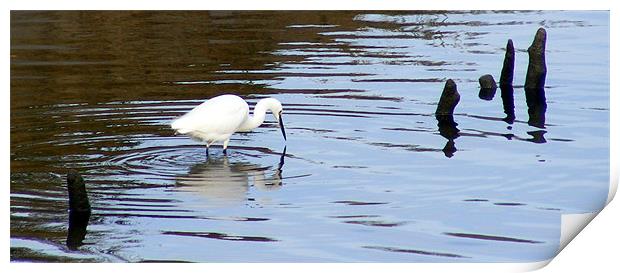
{"points": [[216, 119]]}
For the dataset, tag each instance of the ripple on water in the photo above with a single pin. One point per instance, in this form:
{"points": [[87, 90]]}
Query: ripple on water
{"points": [[220, 236], [415, 251]]}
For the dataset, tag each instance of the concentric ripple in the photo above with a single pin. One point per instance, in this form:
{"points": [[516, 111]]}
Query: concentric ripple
{"points": [[158, 163]]}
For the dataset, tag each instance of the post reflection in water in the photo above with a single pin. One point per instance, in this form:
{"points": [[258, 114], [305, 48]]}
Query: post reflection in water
{"points": [[536, 109], [536, 106], [78, 222], [447, 128], [538, 136], [487, 93], [222, 182], [508, 102]]}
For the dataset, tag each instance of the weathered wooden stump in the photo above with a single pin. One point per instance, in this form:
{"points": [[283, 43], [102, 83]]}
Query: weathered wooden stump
{"points": [[509, 65], [488, 87], [78, 198], [449, 99], [487, 82], [537, 68], [79, 210], [535, 80]]}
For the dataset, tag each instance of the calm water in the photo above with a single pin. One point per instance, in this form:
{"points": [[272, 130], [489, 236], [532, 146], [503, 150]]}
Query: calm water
{"points": [[367, 175]]}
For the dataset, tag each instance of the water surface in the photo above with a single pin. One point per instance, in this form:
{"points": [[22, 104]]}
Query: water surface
{"points": [[366, 175]]}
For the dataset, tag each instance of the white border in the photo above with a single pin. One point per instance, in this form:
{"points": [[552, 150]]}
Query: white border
{"points": [[598, 240]]}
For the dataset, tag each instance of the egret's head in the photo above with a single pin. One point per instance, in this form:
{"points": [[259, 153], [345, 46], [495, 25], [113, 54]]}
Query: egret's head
{"points": [[275, 107]]}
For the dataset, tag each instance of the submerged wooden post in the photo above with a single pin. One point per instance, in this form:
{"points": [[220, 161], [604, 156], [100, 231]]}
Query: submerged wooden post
{"points": [[488, 87], [78, 198], [535, 80], [505, 83], [537, 69], [79, 210], [449, 99], [444, 114], [487, 82], [509, 65]]}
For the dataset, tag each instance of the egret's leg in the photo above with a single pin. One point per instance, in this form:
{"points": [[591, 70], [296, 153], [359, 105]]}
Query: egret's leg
{"points": [[226, 145], [207, 150]]}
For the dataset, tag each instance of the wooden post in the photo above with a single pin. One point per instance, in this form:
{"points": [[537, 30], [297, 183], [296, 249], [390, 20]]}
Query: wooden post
{"points": [[488, 87], [79, 210], [537, 69], [78, 198], [449, 99], [444, 114], [535, 80], [509, 65]]}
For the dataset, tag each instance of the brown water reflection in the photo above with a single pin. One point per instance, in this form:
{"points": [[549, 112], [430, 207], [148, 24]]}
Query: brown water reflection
{"points": [[117, 57]]}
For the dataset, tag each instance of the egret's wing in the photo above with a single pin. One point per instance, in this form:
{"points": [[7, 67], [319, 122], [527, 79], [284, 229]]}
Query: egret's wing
{"points": [[221, 115]]}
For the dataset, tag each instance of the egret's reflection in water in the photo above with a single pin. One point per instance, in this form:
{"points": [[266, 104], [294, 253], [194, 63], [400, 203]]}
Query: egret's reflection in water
{"points": [[222, 182]]}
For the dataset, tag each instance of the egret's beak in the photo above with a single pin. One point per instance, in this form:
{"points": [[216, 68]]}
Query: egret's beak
{"points": [[282, 126]]}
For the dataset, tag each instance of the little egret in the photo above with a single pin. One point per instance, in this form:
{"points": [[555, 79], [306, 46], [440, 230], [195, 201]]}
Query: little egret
{"points": [[216, 119]]}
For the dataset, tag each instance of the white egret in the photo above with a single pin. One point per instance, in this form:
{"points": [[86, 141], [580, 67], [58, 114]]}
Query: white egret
{"points": [[216, 119]]}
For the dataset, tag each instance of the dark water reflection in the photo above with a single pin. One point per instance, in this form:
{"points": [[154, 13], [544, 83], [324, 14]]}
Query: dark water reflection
{"points": [[76, 232], [447, 129], [370, 173], [508, 102]]}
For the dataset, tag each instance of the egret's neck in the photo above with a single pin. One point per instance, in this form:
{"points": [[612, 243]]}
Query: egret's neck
{"points": [[257, 118]]}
